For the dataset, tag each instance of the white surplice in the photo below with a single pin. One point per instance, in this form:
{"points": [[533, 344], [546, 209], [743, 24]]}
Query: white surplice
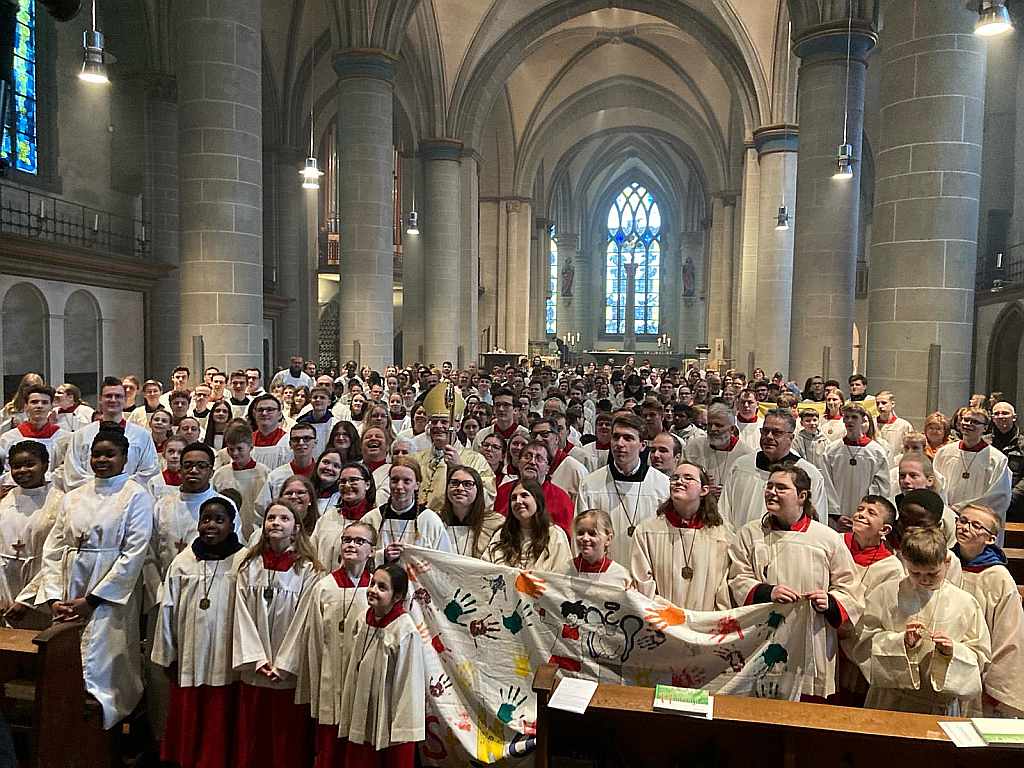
{"points": [[248, 483], [988, 482], [750, 433], [742, 498], [425, 530], [75, 470], [718, 464], [891, 434], [26, 517], [854, 481], [556, 557], [463, 540]]}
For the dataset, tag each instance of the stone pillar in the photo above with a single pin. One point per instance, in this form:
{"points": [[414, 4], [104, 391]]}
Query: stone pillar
{"points": [[412, 268], [442, 248], [745, 277], [689, 331], [221, 172], [366, 206], [776, 147], [295, 282], [568, 245], [160, 209], [924, 229], [828, 210], [720, 270], [514, 278], [469, 338], [539, 290]]}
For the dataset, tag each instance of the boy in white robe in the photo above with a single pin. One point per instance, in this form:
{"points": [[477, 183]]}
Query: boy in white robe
{"points": [[974, 471], [985, 577], [319, 417], [809, 442], [302, 441], [719, 449], [891, 429], [788, 556], [244, 474], [270, 443], [924, 641], [36, 426], [857, 466], [748, 421], [628, 489]]}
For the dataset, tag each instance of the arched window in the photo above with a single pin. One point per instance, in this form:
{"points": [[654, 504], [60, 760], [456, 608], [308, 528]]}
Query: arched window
{"points": [[82, 343], [19, 146], [551, 303], [634, 237], [25, 335]]}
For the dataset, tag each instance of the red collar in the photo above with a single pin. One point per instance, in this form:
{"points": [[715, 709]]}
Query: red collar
{"points": [[274, 561], [602, 447], [582, 566], [558, 459], [506, 433], [864, 440], [69, 409], [171, 477], [982, 445], [250, 465], [892, 420], [396, 610], [356, 512], [837, 417], [342, 579], [799, 526], [259, 440], [746, 421], [373, 466], [47, 431], [733, 442], [303, 471], [677, 521], [865, 557]]}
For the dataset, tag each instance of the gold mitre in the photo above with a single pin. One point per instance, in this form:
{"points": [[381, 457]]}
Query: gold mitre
{"points": [[439, 400]]}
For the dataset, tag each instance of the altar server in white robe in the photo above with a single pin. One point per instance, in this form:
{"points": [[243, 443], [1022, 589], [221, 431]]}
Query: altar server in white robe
{"points": [[595, 454], [984, 575], [809, 442], [974, 471], [143, 462], [36, 426], [470, 524], [302, 442], [321, 641], [914, 472], [193, 641], [789, 556], [402, 521], [529, 539], [742, 497], [891, 429], [382, 707], [719, 449], [857, 466], [270, 441], [92, 560], [748, 420], [925, 640], [27, 514], [274, 581], [69, 412], [243, 473], [628, 488], [593, 534], [356, 488], [682, 554]]}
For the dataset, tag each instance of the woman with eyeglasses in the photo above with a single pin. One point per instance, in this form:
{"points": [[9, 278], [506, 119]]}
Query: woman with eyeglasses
{"points": [[682, 553], [465, 514], [355, 494], [493, 448]]}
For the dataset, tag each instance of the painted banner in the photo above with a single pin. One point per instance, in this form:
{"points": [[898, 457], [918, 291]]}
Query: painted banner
{"points": [[487, 628]]}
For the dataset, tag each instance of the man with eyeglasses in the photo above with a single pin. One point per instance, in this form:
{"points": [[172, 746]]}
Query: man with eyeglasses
{"points": [[975, 472], [302, 441], [1007, 438], [505, 424], [253, 382], [565, 471], [742, 497], [533, 465], [270, 443]]}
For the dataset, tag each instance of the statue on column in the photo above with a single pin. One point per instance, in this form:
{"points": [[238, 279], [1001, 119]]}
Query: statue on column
{"points": [[689, 278], [568, 278]]}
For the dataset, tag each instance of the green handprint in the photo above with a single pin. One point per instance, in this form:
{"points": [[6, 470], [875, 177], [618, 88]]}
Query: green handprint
{"points": [[775, 620], [512, 699], [459, 607], [518, 619]]}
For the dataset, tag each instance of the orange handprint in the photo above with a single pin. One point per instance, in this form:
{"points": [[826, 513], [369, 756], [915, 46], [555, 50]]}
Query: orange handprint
{"points": [[668, 615], [530, 585], [415, 567]]}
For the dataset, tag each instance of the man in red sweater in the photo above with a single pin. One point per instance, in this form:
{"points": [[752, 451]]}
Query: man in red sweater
{"points": [[533, 465]]}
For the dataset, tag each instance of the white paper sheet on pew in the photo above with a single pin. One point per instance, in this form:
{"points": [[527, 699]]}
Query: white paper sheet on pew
{"points": [[573, 695], [963, 733]]}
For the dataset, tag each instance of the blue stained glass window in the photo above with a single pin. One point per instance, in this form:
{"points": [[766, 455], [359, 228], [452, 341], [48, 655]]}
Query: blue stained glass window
{"points": [[634, 236], [19, 145], [551, 303]]}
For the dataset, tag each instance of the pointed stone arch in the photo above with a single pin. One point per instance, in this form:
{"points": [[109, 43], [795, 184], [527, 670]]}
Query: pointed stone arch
{"points": [[1004, 353]]}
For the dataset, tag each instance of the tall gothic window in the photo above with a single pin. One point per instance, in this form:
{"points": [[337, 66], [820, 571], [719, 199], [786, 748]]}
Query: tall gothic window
{"points": [[551, 303], [634, 237], [19, 146]]}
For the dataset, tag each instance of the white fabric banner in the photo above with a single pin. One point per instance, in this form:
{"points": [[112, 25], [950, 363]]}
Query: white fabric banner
{"points": [[487, 628]]}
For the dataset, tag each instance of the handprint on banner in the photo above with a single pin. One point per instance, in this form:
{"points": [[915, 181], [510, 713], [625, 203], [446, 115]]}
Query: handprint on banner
{"points": [[651, 639], [486, 627], [519, 618], [459, 607], [415, 567], [529, 585], [521, 665], [438, 645], [726, 626], [668, 615], [767, 689], [775, 620], [440, 685], [496, 584], [734, 658], [422, 597], [512, 698], [772, 655]]}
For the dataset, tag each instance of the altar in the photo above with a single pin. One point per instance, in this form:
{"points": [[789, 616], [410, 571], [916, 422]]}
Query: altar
{"points": [[655, 358]]}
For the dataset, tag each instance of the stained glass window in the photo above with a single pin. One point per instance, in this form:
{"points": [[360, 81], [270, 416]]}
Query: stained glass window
{"points": [[551, 303], [19, 146], [634, 237]]}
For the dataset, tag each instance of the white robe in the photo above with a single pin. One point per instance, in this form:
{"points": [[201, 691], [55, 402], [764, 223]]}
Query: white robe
{"points": [[143, 461], [833, 429], [271, 490], [590, 456], [891, 434], [198, 640], [426, 530], [659, 553], [804, 561], [811, 447], [462, 539], [384, 693], [489, 430], [750, 433], [273, 456], [12, 437], [26, 517], [718, 464], [921, 679], [988, 484], [248, 483], [72, 421], [261, 623], [742, 498], [854, 482], [627, 503], [615, 575], [568, 476], [98, 547], [175, 527], [556, 557], [326, 536]]}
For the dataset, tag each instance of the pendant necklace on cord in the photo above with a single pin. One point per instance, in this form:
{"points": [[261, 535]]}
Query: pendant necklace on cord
{"points": [[625, 511], [687, 570], [967, 465], [204, 603]]}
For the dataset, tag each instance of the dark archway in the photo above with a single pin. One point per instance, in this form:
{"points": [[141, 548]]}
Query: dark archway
{"points": [[1004, 352]]}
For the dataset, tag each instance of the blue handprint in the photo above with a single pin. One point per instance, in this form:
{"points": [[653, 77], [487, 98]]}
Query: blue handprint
{"points": [[511, 699], [458, 607]]}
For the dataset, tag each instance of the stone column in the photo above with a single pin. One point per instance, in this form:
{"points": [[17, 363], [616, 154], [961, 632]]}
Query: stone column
{"points": [[720, 270], [221, 173], [924, 229], [568, 244], [366, 206], [776, 147], [541, 252], [294, 280], [470, 304], [412, 267], [514, 282], [828, 210], [745, 277], [442, 248]]}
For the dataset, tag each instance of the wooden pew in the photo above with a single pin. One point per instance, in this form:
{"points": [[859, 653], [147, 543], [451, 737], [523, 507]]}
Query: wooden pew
{"points": [[42, 695], [1015, 535], [621, 728]]}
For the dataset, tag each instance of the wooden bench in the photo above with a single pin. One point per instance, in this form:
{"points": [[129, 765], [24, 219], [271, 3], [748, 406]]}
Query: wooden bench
{"points": [[621, 728], [55, 723]]}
